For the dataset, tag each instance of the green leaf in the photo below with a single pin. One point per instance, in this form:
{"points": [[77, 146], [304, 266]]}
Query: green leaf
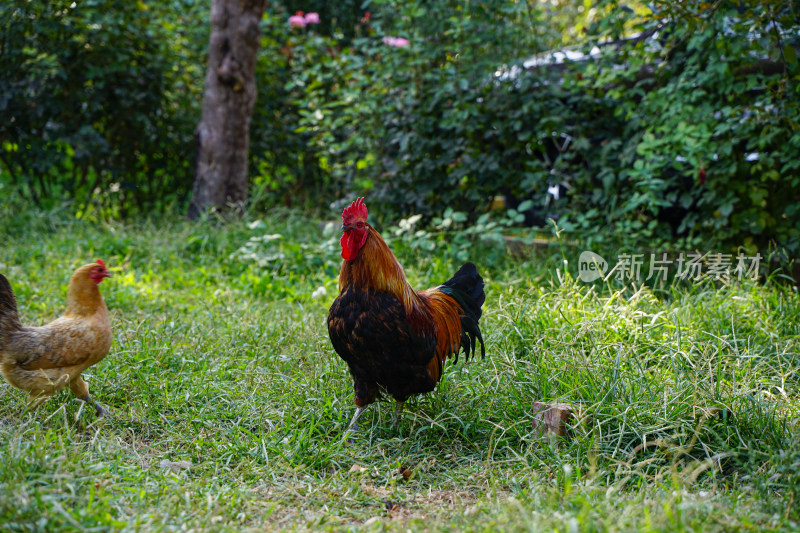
{"points": [[524, 206], [790, 54]]}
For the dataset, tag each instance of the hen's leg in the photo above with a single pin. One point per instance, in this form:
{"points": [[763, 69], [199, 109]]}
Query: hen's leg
{"points": [[36, 398], [79, 389]]}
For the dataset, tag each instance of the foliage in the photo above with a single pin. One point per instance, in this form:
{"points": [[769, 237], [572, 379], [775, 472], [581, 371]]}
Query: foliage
{"points": [[341, 105], [228, 403], [677, 126], [293, 64], [101, 101], [489, 233], [399, 117], [674, 134], [709, 126]]}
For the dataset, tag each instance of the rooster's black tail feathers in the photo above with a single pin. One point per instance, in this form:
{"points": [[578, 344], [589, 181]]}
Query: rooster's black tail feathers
{"points": [[466, 288]]}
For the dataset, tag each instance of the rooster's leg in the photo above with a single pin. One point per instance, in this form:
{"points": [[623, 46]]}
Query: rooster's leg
{"points": [[356, 416], [398, 408]]}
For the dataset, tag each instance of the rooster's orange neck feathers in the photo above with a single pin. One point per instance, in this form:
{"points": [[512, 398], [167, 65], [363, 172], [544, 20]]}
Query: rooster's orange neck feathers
{"points": [[375, 267]]}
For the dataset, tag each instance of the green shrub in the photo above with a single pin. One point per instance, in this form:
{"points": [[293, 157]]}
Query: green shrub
{"points": [[101, 98], [682, 130], [657, 138]]}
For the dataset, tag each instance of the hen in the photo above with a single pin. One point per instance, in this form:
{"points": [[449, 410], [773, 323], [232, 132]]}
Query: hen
{"points": [[43, 360], [393, 337]]}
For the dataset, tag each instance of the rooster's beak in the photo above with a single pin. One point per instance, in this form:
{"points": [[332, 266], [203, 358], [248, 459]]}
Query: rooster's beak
{"points": [[346, 228]]}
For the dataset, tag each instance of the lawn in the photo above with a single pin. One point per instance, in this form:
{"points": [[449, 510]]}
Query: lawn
{"points": [[228, 404]]}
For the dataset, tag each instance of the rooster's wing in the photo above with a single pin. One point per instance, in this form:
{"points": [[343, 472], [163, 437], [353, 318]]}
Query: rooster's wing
{"points": [[371, 332]]}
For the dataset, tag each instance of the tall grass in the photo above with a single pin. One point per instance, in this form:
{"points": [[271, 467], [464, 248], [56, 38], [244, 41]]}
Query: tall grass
{"points": [[228, 403]]}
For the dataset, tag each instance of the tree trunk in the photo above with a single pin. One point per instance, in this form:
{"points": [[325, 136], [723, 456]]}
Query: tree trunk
{"points": [[223, 135]]}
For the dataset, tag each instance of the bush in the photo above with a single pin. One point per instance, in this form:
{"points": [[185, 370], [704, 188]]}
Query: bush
{"points": [[102, 99], [675, 133], [678, 125], [710, 125]]}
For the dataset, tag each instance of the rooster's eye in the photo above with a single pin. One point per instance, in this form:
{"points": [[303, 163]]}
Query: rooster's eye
{"points": [[360, 224]]}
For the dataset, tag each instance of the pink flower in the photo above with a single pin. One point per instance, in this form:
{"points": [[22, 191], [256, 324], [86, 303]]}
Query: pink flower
{"points": [[312, 18], [297, 21], [395, 41]]}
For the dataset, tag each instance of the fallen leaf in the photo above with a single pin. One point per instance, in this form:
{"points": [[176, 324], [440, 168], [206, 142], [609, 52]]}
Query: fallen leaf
{"points": [[357, 468]]}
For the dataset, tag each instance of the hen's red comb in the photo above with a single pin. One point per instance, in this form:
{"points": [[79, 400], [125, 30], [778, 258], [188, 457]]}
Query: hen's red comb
{"points": [[356, 209], [100, 262]]}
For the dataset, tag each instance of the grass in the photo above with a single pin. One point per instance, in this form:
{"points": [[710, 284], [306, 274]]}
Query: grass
{"points": [[228, 402]]}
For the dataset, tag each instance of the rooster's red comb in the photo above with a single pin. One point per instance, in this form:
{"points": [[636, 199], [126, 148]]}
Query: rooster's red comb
{"points": [[356, 209], [100, 262]]}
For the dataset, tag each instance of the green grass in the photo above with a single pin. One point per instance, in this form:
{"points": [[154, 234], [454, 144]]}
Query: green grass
{"points": [[221, 360]]}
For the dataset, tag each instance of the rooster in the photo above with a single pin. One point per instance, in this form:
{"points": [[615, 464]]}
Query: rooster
{"points": [[393, 337], [43, 360]]}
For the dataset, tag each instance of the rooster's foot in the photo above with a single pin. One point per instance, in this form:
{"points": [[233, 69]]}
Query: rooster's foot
{"points": [[353, 426]]}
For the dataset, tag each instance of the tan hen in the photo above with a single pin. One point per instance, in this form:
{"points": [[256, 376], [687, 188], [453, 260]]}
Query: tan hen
{"points": [[43, 360]]}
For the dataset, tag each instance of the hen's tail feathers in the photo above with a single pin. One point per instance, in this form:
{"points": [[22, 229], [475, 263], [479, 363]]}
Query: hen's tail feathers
{"points": [[466, 288], [9, 319]]}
